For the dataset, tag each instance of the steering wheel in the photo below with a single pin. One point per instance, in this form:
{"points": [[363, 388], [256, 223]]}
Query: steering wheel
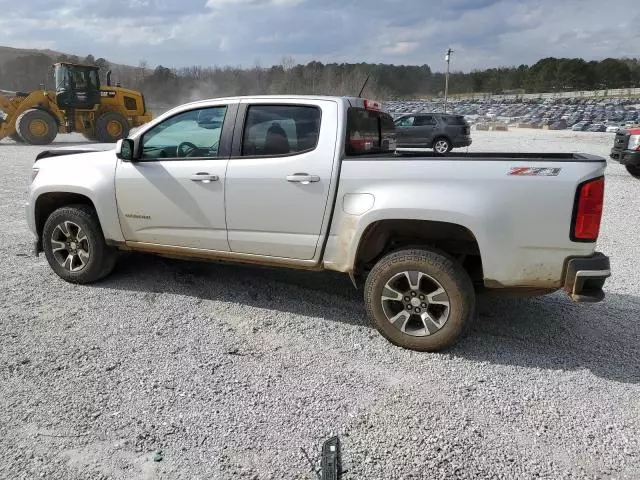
{"points": [[192, 148]]}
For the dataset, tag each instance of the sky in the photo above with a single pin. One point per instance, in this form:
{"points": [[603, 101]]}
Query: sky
{"points": [[179, 33]]}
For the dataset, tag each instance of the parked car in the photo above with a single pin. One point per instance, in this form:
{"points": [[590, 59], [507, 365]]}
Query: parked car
{"points": [[580, 126], [626, 150], [613, 128], [314, 183], [437, 131], [597, 127]]}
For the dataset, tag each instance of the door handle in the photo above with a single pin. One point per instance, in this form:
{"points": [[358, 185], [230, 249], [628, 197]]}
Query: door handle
{"points": [[204, 177], [303, 178]]}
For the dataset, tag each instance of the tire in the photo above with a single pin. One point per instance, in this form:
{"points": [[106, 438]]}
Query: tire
{"points": [[439, 272], [634, 170], [99, 258], [16, 138], [111, 127], [442, 146], [36, 127], [90, 135]]}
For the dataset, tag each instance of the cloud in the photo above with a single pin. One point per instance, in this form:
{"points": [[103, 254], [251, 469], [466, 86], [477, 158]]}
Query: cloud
{"points": [[400, 48], [483, 33]]}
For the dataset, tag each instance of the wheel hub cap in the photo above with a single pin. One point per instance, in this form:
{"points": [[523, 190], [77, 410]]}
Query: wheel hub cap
{"points": [[114, 128], [70, 246], [415, 303], [38, 128]]}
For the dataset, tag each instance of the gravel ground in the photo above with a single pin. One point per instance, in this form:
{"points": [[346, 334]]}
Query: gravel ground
{"points": [[230, 370]]}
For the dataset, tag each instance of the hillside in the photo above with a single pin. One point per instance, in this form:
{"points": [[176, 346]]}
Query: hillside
{"points": [[26, 69], [9, 53]]}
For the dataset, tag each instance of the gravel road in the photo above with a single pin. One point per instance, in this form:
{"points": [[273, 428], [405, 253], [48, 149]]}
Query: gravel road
{"points": [[229, 371]]}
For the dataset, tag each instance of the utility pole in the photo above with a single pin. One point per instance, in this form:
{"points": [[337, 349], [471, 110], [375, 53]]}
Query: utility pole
{"points": [[446, 81]]}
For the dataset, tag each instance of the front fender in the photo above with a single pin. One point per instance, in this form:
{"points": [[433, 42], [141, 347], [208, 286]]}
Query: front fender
{"points": [[90, 175]]}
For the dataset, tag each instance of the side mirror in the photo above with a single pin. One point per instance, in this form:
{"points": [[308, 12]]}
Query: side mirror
{"points": [[124, 149]]}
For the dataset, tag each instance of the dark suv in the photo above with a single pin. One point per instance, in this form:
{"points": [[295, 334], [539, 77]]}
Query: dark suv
{"points": [[439, 131]]}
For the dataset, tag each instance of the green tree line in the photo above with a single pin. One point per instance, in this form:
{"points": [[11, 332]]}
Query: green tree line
{"points": [[166, 86]]}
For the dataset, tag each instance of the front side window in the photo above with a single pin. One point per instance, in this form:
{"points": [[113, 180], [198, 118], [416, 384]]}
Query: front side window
{"points": [[192, 134], [405, 122], [280, 130]]}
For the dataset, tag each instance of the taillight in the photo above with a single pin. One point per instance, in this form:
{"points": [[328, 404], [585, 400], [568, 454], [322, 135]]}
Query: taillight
{"points": [[634, 143], [587, 212]]}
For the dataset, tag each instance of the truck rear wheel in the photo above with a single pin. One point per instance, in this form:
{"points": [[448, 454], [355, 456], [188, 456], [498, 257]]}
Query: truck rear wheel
{"points": [[634, 170], [36, 127], [74, 245], [111, 127], [419, 299]]}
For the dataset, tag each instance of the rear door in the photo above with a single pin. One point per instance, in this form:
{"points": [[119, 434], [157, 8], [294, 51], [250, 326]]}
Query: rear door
{"points": [[278, 179]]}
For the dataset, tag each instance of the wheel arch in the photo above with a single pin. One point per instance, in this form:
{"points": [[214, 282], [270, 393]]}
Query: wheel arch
{"points": [[49, 202], [382, 237]]}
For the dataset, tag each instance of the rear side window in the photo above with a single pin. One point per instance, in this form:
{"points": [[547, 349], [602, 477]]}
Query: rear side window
{"points": [[425, 120], [280, 130], [369, 132], [455, 120]]}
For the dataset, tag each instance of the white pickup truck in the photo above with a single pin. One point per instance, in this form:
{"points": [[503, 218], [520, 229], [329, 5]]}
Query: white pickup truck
{"points": [[313, 183]]}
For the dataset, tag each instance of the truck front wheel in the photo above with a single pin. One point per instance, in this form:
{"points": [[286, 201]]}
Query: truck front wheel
{"points": [[419, 299], [634, 170], [74, 245]]}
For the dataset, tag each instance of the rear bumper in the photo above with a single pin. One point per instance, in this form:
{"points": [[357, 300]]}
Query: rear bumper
{"points": [[625, 157], [586, 276], [462, 142]]}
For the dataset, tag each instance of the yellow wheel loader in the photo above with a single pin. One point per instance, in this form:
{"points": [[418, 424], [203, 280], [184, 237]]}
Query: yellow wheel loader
{"points": [[78, 104]]}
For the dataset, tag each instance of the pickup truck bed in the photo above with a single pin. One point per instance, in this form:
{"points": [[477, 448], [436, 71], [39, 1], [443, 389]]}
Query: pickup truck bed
{"points": [[312, 182]]}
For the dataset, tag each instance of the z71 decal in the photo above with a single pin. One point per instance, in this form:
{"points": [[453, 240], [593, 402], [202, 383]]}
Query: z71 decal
{"points": [[534, 171]]}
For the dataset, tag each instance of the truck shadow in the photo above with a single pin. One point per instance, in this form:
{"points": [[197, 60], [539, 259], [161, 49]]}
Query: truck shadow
{"points": [[549, 332]]}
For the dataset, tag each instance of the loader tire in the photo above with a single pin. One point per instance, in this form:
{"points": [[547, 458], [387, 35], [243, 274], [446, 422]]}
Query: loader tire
{"points": [[36, 127], [90, 135], [16, 138], [111, 127]]}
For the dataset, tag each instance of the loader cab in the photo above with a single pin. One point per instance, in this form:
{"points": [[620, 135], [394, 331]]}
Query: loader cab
{"points": [[77, 86]]}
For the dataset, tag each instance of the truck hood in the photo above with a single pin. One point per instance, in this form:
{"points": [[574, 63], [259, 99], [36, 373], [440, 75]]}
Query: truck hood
{"points": [[75, 149]]}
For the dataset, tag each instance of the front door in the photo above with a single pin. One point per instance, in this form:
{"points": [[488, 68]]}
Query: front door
{"points": [[277, 187], [174, 194], [404, 127]]}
